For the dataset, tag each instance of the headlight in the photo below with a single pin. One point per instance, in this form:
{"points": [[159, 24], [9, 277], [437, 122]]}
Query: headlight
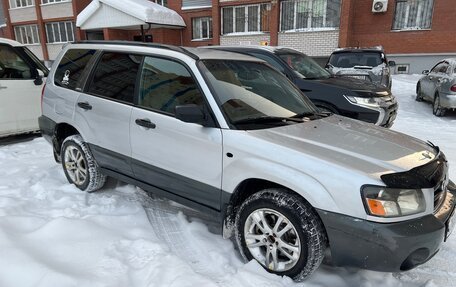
{"points": [[391, 202], [373, 102]]}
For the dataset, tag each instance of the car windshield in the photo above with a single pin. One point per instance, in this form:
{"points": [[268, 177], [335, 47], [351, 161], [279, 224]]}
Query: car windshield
{"points": [[252, 95], [304, 65], [352, 59]]}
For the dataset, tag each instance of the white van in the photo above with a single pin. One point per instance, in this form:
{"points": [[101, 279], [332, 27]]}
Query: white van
{"points": [[21, 83]]}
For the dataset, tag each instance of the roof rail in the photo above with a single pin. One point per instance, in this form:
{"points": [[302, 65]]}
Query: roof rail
{"points": [[133, 43]]}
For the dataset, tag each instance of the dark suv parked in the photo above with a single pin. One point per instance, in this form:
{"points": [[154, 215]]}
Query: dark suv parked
{"points": [[354, 98]]}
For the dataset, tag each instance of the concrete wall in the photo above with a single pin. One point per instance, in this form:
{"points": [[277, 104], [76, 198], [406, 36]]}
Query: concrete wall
{"points": [[316, 43], [234, 40], [57, 10], [23, 14], [37, 50], [417, 63], [54, 50]]}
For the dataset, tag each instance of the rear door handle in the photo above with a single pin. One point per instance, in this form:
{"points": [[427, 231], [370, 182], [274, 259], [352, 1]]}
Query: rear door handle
{"points": [[145, 123], [84, 105]]}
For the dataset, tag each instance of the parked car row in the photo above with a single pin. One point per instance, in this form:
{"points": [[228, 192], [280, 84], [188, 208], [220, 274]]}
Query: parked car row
{"points": [[229, 135]]}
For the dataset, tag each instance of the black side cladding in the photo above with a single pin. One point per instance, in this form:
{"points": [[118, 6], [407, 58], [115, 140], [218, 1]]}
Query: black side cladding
{"points": [[425, 176]]}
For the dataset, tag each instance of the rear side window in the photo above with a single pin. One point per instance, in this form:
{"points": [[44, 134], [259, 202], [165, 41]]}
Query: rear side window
{"points": [[166, 84], [115, 76], [71, 67]]}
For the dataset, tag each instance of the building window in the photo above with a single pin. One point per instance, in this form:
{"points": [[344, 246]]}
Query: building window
{"points": [[27, 34], [60, 32], [21, 3], [297, 15], [196, 4], [413, 14], [53, 1], [246, 19], [202, 28], [162, 2], [402, 69]]}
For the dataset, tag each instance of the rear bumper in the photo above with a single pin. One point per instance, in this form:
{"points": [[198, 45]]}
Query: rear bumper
{"points": [[448, 101], [47, 127], [388, 247]]}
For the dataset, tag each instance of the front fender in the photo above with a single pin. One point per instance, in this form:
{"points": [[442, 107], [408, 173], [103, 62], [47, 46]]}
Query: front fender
{"points": [[305, 185]]}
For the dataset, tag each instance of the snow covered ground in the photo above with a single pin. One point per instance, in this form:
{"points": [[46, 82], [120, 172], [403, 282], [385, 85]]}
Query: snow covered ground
{"points": [[52, 234]]}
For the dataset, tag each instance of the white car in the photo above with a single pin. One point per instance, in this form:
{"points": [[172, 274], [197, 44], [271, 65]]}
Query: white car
{"points": [[21, 83]]}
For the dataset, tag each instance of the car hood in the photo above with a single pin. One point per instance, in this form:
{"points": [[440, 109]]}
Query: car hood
{"points": [[353, 144], [354, 84]]}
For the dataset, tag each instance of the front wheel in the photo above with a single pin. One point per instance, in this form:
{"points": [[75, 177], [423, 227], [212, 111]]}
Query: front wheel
{"points": [[79, 166], [437, 109], [282, 232]]}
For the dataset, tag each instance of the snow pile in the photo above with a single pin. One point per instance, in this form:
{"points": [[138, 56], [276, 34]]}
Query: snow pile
{"points": [[52, 234]]}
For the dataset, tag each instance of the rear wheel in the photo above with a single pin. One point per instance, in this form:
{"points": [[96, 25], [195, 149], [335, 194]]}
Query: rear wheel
{"points": [[79, 165], [282, 232], [437, 109]]}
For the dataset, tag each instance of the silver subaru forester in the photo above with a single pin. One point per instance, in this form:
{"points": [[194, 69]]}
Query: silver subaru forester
{"points": [[230, 136]]}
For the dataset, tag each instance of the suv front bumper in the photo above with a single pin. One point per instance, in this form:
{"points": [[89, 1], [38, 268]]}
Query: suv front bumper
{"points": [[388, 247]]}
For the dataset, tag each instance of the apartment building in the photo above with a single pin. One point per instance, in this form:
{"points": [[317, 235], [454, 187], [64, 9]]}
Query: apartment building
{"points": [[414, 33]]}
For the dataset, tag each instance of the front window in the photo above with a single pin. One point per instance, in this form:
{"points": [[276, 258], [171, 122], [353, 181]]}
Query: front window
{"points": [[27, 34], [53, 1], [12, 66], [246, 19], [60, 32], [21, 3], [309, 14], [357, 59], [252, 95], [202, 28], [162, 2], [413, 14], [304, 66]]}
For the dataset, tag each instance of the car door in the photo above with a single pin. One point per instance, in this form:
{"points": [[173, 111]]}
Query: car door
{"points": [[104, 110], [20, 94], [431, 81], [184, 159]]}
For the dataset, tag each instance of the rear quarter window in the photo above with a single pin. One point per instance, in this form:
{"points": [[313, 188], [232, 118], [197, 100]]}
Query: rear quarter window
{"points": [[71, 68]]}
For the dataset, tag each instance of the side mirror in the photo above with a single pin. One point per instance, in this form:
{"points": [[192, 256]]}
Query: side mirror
{"points": [[425, 72], [38, 80], [392, 63], [190, 113]]}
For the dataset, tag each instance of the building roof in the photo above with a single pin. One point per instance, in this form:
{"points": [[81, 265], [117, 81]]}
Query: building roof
{"points": [[127, 14]]}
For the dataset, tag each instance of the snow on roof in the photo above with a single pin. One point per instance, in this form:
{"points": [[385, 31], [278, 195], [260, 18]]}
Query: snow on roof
{"points": [[127, 13]]}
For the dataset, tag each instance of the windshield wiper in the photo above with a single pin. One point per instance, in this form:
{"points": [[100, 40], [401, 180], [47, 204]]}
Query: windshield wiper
{"points": [[266, 119], [312, 116]]}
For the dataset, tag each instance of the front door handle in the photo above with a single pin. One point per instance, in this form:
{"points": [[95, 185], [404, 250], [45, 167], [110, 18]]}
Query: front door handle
{"points": [[84, 105], [2, 88], [145, 123]]}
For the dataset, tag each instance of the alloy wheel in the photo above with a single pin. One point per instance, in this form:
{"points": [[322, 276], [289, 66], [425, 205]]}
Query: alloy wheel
{"points": [[272, 239], [75, 165]]}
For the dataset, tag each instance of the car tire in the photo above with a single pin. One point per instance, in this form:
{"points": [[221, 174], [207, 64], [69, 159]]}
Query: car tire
{"points": [[419, 94], [282, 232], [437, 109], [79, 166], [327, 108]]}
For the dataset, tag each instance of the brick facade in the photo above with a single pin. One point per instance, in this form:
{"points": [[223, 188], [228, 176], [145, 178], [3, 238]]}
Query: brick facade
{"points": [[360, 27]]}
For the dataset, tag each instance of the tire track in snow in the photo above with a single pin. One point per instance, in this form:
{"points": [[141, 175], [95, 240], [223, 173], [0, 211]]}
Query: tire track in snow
{"points": [[164, 218]]}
